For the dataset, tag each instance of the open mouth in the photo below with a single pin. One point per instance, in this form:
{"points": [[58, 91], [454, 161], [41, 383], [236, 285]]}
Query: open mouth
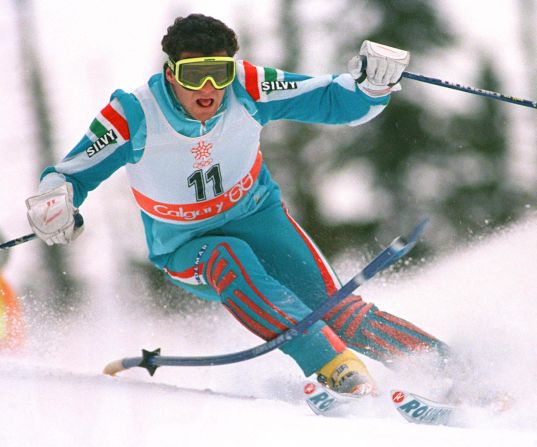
{"points": [[205, 102]]}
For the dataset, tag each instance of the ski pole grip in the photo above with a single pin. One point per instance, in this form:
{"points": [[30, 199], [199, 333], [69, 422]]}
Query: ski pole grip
{"points": [[79, 220], [363, 68], [363, 60]]}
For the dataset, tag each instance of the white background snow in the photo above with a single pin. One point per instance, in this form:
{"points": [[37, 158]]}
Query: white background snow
{"points": [[480, 299]]}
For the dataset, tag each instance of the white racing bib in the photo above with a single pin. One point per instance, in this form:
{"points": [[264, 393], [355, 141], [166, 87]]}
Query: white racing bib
{"points": [[183, 180]]}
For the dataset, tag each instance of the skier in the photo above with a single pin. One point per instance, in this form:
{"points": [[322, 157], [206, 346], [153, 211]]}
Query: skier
{"points": [[213, 217]]}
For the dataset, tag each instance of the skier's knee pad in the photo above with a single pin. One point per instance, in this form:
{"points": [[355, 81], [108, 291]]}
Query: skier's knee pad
{"points": [[379, 334]]}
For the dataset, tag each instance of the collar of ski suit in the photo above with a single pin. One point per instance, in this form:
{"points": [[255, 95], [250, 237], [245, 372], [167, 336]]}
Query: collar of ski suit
{"points": [[176, 115]]}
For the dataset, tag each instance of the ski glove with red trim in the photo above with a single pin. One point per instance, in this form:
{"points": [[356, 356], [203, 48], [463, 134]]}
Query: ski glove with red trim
{"points": [[51, 215], [385, 66]]}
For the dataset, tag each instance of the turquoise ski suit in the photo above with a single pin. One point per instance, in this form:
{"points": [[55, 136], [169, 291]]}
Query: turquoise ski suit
{"points": [[213, 217]]}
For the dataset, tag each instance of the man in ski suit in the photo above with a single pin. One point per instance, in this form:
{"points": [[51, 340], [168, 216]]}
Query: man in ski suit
{"points": [[213, 217]]}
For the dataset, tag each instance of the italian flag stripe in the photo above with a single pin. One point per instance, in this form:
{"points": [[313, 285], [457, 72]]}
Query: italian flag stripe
{"points": [[117, 121], [97, 128], [271, 74], [251, 80]]}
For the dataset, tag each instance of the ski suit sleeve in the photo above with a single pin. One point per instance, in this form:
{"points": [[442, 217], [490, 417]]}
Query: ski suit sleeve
{"points": [[113, 139], [328, 99]]}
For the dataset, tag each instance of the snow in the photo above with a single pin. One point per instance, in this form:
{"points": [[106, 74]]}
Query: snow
{"points": [[479, 298]]}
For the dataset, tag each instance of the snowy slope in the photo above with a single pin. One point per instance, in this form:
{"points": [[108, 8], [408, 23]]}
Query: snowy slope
{"points": [[480, 299]]}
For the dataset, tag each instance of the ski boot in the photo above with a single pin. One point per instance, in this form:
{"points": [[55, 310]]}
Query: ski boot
{"points": [[347, 374]]}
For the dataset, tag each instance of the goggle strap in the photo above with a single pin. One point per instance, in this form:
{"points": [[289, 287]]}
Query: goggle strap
{"points": [[172, 65]]}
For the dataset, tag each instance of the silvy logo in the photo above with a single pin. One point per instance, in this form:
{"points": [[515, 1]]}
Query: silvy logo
{"points": [[108, 138], [271, 86]]}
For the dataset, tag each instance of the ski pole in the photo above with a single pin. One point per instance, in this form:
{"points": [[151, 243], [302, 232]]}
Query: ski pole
{"points": [[472, 90], [79, 221], [18, 241], [151, 360], [459, 87]]}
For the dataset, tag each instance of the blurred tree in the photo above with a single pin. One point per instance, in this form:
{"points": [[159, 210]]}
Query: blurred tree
{"points": [[527, 19], [414, 159], [527, 12], [288, 142], [477, 193], [57, 282]]}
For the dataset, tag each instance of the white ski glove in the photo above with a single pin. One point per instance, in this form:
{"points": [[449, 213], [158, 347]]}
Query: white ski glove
{"points": [[52, 215], [384, 68]]}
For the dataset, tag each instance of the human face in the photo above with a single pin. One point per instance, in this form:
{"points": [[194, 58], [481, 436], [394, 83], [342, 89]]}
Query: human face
{"points": [[200, 104]]}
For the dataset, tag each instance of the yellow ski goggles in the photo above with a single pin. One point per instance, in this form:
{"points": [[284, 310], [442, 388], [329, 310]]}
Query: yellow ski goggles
{"points": [[193, 73]]}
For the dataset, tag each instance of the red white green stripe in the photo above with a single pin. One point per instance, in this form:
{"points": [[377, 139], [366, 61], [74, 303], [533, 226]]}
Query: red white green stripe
{"points": [[110, 117], [252, 76]]}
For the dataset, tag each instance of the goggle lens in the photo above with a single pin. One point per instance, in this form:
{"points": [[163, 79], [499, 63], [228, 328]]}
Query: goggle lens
{"points": [[194, 73]]}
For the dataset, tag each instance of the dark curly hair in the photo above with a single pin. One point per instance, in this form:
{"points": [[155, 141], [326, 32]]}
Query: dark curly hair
{"points": [[198, 33]]}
